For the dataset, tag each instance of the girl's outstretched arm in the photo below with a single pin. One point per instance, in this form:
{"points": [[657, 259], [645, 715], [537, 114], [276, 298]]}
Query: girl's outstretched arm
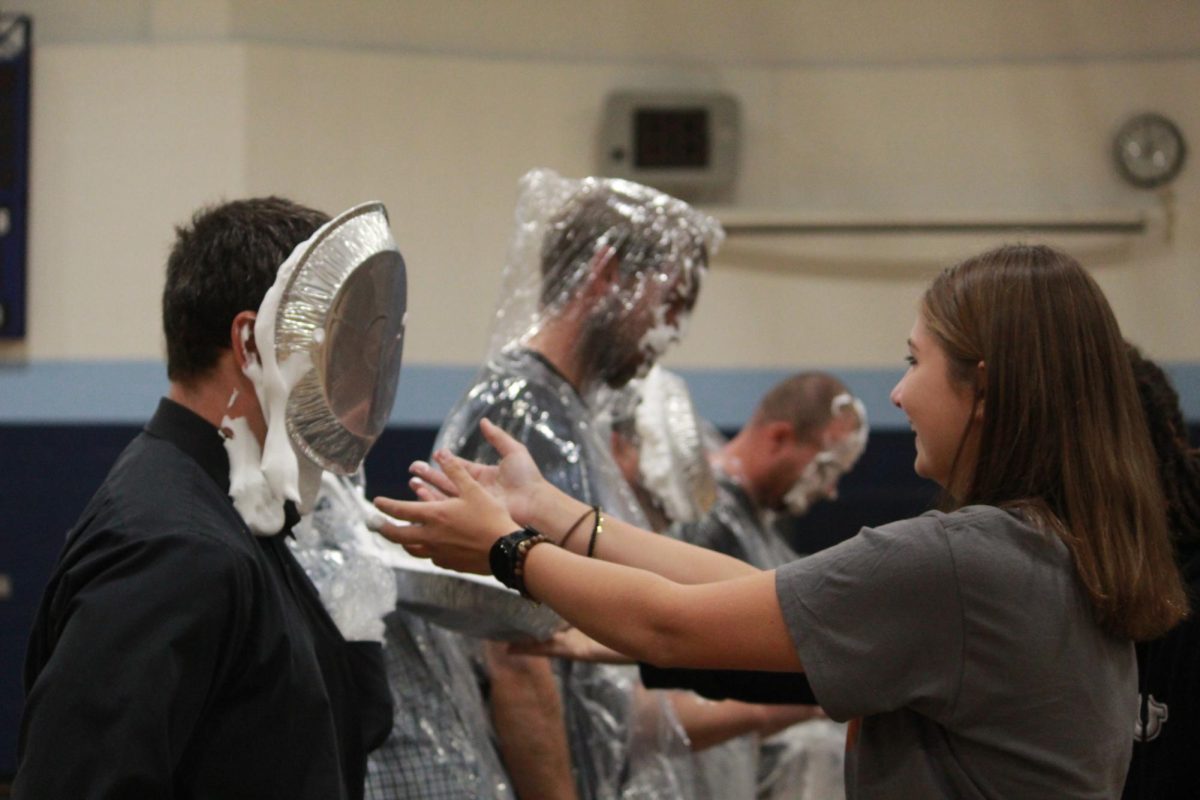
{"points": [[707, 610]]}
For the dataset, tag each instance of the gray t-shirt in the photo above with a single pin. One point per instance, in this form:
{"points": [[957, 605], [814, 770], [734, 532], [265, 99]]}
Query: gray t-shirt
{"points": [[967, 647]]}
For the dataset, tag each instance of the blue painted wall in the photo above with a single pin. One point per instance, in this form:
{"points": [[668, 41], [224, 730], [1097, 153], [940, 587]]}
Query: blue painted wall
{"points": [[63, 424], [122, 392]]}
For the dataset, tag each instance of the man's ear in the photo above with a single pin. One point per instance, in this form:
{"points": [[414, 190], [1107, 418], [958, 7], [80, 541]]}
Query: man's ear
{"points": [[779, 434], [603, 269], [604, 263], [241, 339]]}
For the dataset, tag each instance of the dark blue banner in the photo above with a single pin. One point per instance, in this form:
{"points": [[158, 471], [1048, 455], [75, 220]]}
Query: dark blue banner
{"points": [[16, 48]]}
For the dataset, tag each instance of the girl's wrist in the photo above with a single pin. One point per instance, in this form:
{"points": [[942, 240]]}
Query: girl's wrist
{"points": [[553, 511]]}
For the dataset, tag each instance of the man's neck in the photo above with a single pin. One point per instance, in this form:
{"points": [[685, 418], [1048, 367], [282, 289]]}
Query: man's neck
{"points": [[734, 459], [199, 398], [555, 343], [218, 394]]}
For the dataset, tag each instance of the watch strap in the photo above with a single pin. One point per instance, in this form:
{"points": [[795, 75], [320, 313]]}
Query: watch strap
{"points": [[507, 557]]}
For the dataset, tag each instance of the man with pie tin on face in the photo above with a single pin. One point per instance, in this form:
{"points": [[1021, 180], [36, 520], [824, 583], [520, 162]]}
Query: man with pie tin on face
{"points": [[179, 650]]}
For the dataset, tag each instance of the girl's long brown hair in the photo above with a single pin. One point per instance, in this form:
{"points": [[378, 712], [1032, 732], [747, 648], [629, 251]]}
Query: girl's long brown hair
{"points": [[1062, 435]]}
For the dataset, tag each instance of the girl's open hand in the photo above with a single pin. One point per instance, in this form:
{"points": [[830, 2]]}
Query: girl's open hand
{"points": [[456, 531]]}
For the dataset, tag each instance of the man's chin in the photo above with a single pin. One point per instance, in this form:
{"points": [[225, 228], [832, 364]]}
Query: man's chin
{"points": [[618, 379]]}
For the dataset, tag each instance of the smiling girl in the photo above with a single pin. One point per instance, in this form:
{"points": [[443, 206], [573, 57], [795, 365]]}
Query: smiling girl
{"points": [[984, 650]]}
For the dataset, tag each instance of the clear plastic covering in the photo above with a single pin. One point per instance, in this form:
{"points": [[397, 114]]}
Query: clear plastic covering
{"points": [[673, 446], [601, 277], [336, 550], [805, 762], [442, 743], [738, 528], [655, 415], [661, 761], [670, 473], [441, 730], [521, 392], [699, 502], [729, 769], [619, 262]]}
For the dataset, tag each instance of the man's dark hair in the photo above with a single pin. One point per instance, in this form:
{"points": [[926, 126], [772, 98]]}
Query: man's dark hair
{"points": [[223, 264], [646, 231]]}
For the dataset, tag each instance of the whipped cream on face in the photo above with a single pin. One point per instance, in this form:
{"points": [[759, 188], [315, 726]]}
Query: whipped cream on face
{"points": [[659, 338], [253, 498], [810, 487], [851, 448], [274, 474], [279, 461], [820, 477]]}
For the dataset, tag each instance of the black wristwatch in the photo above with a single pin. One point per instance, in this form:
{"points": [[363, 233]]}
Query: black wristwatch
{"points": [[507, 557]]}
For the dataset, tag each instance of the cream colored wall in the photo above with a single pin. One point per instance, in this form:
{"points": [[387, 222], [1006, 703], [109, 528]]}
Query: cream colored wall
{"points": [[128, 139], [1031, 140]]}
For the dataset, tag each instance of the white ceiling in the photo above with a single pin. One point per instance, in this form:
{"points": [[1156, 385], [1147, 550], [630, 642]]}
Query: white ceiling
{"points": [[817, 33]]}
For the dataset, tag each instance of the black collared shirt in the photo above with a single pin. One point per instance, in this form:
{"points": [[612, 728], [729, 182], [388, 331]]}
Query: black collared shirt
{"points": [[177, 655]]}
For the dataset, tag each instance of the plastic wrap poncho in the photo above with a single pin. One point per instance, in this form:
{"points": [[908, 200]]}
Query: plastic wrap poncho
{"points": [[619, 262], [600, 279], [804, 761], [440, 746], [655, 416]]}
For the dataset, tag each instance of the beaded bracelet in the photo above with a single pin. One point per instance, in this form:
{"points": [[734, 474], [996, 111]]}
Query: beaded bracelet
{"points": [[523, 548]]}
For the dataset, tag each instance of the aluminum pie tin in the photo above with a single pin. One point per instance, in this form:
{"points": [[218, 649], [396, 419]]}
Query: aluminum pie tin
{"points": [[475, 605], [345, 306]]}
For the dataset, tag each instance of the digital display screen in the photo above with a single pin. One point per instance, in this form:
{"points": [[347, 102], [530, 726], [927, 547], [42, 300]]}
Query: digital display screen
{"points": [[675, 138]]}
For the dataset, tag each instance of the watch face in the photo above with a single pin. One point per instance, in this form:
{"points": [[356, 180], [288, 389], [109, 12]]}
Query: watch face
{"points": [[500, 560], [1149, 150]]}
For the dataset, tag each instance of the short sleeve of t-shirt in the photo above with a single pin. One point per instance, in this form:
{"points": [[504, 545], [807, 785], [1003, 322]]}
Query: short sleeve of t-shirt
{"points": [[877, 620]]}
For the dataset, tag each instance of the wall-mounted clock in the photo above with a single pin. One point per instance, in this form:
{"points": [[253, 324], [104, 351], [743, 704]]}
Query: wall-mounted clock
{"points": [[1149, 150]]}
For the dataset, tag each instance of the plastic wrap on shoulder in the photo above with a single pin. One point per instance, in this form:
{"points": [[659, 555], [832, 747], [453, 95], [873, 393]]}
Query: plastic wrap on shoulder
{"points": [[655, 417], [623, 257], [337, 552], [522, 394]]}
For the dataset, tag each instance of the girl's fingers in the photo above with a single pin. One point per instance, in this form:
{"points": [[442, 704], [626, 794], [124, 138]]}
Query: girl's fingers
{"points": [[505, 445], [473, 468], [456, 472], [417, 550], [433, 477], [425, 491], [407, 535], [415, 512]]}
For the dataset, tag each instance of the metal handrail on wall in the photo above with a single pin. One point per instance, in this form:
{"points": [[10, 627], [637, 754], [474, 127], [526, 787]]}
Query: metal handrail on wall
{"points": [[748, 222]]}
